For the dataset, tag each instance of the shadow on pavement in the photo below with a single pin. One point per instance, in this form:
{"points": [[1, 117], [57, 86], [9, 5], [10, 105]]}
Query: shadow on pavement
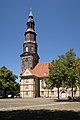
{"points": [[77, 99], [39, 115]]}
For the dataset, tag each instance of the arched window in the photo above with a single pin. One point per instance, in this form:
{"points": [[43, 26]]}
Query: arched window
{"points": [[27, 49], [42, 83], [32, 49], [26, 63]]}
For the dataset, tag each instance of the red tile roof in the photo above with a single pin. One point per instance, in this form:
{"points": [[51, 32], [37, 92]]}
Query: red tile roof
{"points": [[41, 70]]}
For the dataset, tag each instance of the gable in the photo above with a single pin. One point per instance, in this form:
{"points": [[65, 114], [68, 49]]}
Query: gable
{"points": [[27, 73]]}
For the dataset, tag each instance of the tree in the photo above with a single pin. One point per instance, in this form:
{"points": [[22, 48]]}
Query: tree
{"points": [[56, 71], [65, 72], [7, 81], [70, 58], [78, 73]]}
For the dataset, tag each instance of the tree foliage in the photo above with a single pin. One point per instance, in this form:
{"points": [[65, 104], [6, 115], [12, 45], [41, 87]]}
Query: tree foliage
{"points": [[64, 72], [8, 84]]}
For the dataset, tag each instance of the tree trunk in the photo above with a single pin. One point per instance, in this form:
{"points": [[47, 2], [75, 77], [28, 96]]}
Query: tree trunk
{"points": [[1, 89], [48, 93], [79, 92], [58, 93], [12, 94], [5, 93], [72, 93]]}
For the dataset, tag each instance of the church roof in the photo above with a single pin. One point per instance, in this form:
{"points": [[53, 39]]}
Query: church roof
{"points": [[40, 70]]}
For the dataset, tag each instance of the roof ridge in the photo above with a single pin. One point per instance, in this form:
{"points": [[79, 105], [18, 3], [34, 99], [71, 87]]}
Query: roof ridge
{"points": [[44, 62]]}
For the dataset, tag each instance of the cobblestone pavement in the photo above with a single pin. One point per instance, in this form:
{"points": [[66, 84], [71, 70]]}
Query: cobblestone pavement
{"points": [[37, 103]]}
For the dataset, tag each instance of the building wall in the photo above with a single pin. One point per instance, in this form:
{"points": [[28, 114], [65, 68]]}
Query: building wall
{"points": [[33, 87], [29, 87], [63, 92]]}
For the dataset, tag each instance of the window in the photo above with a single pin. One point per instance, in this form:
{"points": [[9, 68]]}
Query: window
{"points": [[32, 49], [26, 87], [45, 73], [52, 92], [42, 83], [26, 92], [42, 92], [26, 63], [27, 49], [26, 80]]}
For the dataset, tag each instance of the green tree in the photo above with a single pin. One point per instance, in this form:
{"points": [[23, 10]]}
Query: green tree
{"points": [[72, 69], [8, 81], [70, 58], [64, 72], [78, 73], [56, 71]]}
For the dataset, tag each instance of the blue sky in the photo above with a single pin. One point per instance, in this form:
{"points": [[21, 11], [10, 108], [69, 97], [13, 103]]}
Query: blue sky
{"points": [[57, 27]]}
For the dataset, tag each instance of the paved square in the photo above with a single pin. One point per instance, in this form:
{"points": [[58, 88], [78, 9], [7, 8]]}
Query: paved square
{"points": [[37, 104]]}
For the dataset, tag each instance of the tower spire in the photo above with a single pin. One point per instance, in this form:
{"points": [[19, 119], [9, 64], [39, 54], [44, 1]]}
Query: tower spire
{"points": [[29, 57], [30, 22], [30, 13]]}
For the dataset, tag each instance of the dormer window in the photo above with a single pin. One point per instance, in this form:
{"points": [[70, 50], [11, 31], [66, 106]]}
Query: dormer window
{"points": [[45, 73]]}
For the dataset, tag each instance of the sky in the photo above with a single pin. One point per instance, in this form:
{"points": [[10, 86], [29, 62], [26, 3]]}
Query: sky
{"points": [[57, 24]]}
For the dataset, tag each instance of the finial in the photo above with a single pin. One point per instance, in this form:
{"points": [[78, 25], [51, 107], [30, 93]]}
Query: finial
{"points": [[30, 14]]}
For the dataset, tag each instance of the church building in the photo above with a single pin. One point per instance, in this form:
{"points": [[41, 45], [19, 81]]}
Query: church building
{"points": [[32, 75], [32, 72]]}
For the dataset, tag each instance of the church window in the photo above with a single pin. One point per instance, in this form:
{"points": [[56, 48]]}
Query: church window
{"points": [[42, 83], [52, 92], [26, 63], [26, 92], [42, 92], [32, 49], [26, 87], [27, 49], [26, 80]]}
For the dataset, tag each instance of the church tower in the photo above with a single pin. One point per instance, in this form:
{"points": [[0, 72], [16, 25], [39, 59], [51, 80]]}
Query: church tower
{"points": [[29, 57]]}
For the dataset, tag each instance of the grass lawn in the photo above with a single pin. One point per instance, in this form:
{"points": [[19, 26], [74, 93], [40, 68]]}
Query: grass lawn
{"points": [[38, 109]]}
